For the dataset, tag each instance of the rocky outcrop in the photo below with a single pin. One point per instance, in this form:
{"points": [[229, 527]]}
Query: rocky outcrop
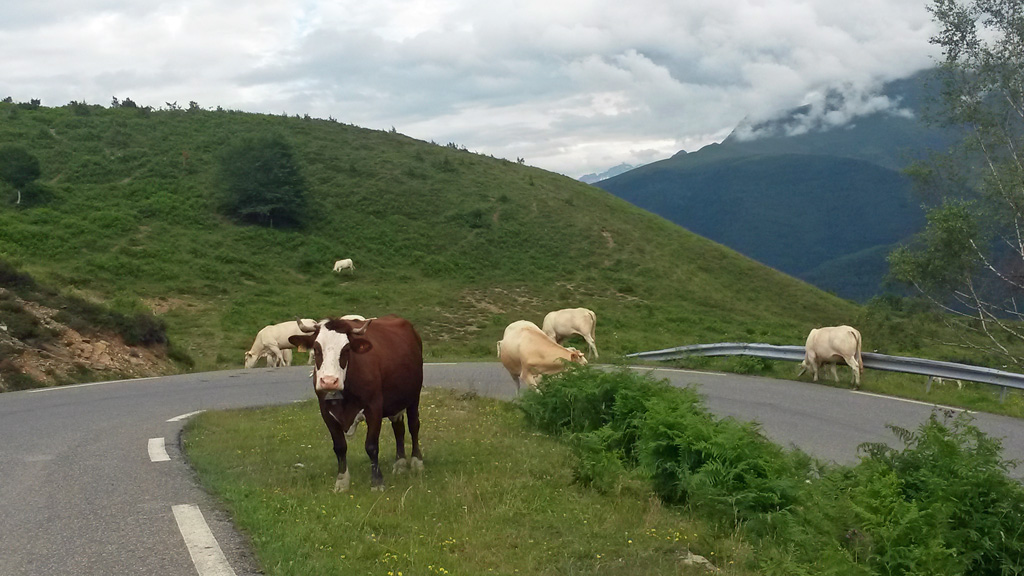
{"points": [[71, 356]]}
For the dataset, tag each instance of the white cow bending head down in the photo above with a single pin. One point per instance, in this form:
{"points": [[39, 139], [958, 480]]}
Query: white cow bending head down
{"points": [[332, 343]]}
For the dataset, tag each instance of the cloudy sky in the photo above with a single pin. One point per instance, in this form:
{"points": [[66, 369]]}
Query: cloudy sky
{"points": [[572, 86]]}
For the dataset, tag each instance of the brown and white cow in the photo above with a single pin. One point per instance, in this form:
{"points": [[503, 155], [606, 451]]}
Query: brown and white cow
{"points": [[527, 353], [829, 345], [562, 324], [370, 369]]}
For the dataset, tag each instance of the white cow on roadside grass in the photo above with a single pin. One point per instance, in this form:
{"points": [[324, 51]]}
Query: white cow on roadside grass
{"points": [[528, 353], [271, 341]]}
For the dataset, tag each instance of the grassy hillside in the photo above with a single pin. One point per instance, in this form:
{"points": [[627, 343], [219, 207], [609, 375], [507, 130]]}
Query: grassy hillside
{"points": [[459, 243]]}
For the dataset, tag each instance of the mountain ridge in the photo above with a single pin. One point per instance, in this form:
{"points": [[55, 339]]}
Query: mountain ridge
{"points": [[683, 190]]}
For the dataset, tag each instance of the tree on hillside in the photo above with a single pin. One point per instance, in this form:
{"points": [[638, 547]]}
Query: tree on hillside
{"points": [[18, 167], [970, 258], [261, 182]]}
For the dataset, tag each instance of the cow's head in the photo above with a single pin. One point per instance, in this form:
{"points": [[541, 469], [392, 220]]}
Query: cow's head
{"points": [[577, 356], [332, 343], [250, 359]]}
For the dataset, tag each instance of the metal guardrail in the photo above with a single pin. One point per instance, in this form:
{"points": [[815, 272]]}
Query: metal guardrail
{"points": [[930, 368]]}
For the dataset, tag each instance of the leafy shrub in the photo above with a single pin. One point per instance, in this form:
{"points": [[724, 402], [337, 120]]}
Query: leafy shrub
{"points": [[944, 504], [262, 182], [753, 365], [595, 465], [690, 456]]}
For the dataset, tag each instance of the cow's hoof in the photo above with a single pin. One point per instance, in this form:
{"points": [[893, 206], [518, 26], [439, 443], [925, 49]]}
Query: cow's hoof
{"points": [[377, 488], [416, 464], [342, 483], [401, 465]]}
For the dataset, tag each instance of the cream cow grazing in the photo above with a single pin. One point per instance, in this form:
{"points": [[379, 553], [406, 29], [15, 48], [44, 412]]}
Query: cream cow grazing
{"points": [[562, 324], [271, 341], [829, 345], [528, 353], [274, 362], [345, 264]]}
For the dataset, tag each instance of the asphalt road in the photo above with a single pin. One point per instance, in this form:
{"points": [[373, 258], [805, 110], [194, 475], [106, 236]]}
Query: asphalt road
{"points": [[80, 495]]}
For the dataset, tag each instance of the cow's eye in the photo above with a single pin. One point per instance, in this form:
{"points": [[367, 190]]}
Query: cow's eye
{"points": [[318, 354]]}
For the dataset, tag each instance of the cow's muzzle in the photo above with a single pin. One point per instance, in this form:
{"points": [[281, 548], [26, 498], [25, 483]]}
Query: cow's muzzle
{"points": [[329, 383]]}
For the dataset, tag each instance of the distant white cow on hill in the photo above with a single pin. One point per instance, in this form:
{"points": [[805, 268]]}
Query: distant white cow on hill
{"points": [[345, 264]]}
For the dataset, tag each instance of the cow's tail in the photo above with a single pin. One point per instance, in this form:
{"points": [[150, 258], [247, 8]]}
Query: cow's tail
{"points": [[860, 359]]}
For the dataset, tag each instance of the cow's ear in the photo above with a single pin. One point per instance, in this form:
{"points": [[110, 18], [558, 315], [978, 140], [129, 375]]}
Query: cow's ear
{"points": [[302, 342], [360, 345]]}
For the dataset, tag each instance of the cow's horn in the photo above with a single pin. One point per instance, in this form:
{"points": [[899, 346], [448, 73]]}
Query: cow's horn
{"points": [[366, 325], [304, 328]]}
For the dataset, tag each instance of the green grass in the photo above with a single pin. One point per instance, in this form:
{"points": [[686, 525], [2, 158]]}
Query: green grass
{"points": [[629, 476], [494, 498]]}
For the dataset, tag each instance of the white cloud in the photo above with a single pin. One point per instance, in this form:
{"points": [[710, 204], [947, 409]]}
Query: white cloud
{"points": [[573, 86]]}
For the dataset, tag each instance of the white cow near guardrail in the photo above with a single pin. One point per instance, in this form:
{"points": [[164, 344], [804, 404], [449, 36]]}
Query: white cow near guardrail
{"points": [[562, 324], [829, 345]]}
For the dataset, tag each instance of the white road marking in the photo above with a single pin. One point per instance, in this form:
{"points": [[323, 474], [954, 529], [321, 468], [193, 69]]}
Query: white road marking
{"points": [[52, 388], [184, 416], [202, 546], [158, 450], [912, 401]]}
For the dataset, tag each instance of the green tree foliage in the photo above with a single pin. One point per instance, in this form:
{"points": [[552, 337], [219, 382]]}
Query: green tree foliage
{"points": [[18, 167], [262, 182], [970, 259]]}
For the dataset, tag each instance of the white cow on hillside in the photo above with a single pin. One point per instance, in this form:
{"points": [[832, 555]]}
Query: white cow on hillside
{"points": [[345, 264], [829, 345], [271, 341], [528, 353], [562, 324]]}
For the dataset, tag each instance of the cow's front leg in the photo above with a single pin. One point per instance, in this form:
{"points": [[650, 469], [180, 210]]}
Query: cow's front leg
{"points": [[331, 413], [342, 483], [373, 423]]}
